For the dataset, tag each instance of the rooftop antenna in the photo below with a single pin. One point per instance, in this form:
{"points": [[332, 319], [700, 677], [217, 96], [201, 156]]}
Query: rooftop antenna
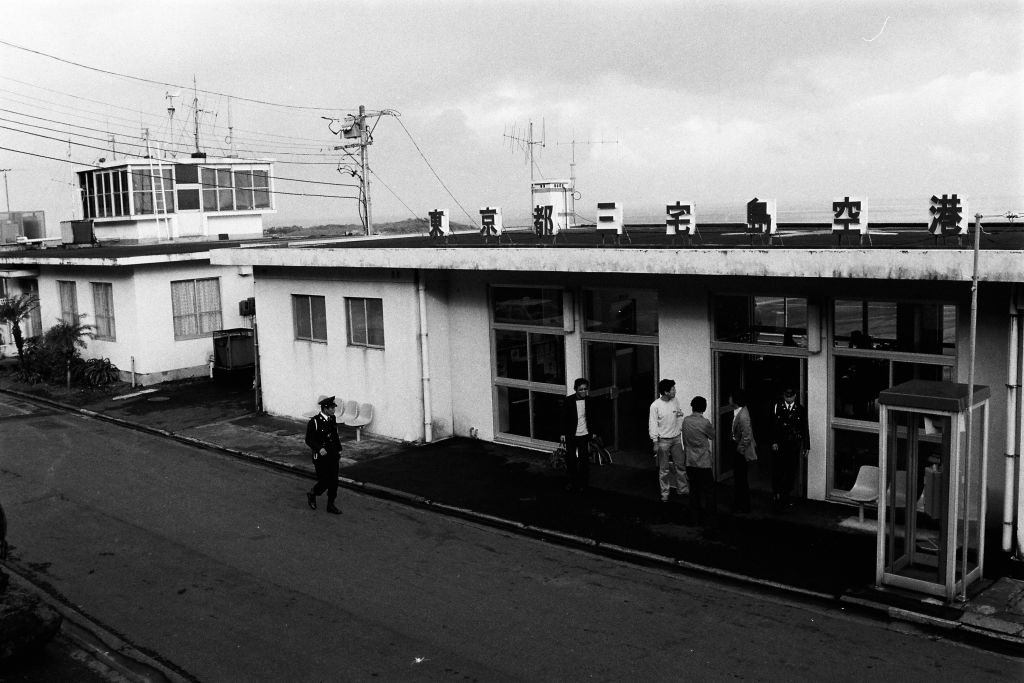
{"points": [[231, 133], [572, 163], [196, 110], [518, 142]]}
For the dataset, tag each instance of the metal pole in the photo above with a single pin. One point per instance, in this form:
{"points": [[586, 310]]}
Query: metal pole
{"points": [[7, 192], [969, 436], [364, 141]]}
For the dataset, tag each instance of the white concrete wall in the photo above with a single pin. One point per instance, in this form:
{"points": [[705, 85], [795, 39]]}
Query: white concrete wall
{"points": [[143, 318], [294, 372], [470, 351]]}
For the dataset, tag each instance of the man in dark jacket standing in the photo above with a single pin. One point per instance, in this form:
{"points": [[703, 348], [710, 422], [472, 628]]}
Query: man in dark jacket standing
{"points": [[790, 441], [325, 445], [577, 418]]}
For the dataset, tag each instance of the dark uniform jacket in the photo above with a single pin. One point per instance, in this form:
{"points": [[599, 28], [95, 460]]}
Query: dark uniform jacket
{"points": [[789, 426], [322, 432]]}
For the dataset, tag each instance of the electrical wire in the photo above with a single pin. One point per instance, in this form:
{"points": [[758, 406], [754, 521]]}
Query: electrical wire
{"points": [[170, 85], [471, 219]]}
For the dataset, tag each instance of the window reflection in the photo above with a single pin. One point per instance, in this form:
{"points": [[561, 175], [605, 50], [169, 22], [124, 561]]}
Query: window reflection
{"points": [[852, 450], [510, 354], [892, 326], [629, 312], [527, 306], [780, 321]]}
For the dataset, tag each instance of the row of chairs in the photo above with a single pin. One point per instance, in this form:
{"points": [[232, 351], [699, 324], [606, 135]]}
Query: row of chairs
{"points": [[356, 415], [865, 489]]}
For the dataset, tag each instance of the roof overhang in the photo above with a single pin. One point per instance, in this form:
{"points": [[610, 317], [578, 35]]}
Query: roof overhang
{"points": [[19, 272], [917, 264], [105, 262]]}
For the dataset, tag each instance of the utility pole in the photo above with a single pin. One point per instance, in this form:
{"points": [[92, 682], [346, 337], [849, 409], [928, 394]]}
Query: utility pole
{"points": [[7, 192], [355, 127]]}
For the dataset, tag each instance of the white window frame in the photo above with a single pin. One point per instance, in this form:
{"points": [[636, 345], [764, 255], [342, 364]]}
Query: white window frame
{"points": [[357, 337], [298, 300], [103, 310], [67, 293], [204, 322]]}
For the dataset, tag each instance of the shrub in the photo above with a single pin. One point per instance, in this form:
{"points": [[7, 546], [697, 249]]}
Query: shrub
{"points": [[96, 372]]}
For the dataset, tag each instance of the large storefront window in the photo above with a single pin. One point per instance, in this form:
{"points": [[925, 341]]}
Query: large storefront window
{"points": [[529, 360], [777, 320], [876, 345]]}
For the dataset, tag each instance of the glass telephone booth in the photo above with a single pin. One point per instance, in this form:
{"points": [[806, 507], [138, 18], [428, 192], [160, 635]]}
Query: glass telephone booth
{"points": [[931, 503]]}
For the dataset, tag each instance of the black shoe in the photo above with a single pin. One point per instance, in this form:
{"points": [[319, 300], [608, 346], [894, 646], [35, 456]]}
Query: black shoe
{"points": [[332, 509], [311, 501]]}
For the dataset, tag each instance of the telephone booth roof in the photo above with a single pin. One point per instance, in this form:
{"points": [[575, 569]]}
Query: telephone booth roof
{"points": [[947, 397]]}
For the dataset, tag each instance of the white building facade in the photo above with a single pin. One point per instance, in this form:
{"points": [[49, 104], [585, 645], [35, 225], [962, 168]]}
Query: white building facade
{"points": [[485, 342]]}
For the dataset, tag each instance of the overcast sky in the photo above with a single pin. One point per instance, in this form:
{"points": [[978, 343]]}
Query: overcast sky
{"points": [[712, 102]]}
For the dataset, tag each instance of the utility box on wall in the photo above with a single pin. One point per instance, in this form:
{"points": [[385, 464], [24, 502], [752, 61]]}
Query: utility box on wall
{"points": [[234, 352]]}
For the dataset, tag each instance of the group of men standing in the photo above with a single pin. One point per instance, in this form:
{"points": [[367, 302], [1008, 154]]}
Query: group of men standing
{"points": [[684, 446]]}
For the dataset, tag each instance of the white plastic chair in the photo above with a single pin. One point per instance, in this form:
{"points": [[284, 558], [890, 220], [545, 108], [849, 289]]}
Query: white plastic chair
{"points": [[865, 489], [364, 418], [349, 411]]}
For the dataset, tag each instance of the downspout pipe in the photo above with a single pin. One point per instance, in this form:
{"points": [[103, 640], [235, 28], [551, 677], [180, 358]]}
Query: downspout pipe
{"points": [[421, 295], [1012, 394]]}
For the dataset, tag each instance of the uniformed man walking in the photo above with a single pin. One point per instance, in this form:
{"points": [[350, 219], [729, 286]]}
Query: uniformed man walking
{"points": [[325, 446]]}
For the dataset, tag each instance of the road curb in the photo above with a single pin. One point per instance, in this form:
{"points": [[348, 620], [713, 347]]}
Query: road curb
{"points": [[105, 646], [950, 629]]}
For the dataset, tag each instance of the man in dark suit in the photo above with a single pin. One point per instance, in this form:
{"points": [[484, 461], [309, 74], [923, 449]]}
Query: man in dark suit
{"points": [[790, 441], [325, 446], [577, 419]]}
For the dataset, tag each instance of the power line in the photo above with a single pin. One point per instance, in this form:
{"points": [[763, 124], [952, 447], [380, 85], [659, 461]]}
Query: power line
{"points": [[169, 85], [471, 219], [143, 173]]}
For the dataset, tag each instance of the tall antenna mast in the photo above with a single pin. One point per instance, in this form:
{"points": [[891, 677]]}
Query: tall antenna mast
{"points": [[231, 135], [517, 141], [196, 110], [572, 163]]}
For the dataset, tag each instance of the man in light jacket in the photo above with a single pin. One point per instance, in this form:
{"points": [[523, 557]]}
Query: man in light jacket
{"points": [[745, 451]]}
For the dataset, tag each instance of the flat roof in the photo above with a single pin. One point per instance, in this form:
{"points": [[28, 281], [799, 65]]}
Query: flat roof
{"points": [[896, 251], [119, 254]]}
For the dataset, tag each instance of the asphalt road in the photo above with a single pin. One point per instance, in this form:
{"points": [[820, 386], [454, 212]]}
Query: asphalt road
{"points": [[218, 567]]}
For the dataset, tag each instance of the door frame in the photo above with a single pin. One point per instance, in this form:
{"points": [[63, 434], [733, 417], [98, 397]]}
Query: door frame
{"points": [[588, 338], [724, 469]]}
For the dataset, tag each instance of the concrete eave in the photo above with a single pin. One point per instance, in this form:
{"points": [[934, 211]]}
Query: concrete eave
{"points": [[148, 259], [910, 264]]}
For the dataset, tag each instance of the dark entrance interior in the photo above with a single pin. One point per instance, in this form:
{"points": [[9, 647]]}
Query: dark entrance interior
{"points": [[623, 377], [764, 377]]}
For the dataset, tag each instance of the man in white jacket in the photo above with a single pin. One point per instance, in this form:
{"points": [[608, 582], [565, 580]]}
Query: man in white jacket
{"points": [[663, 426]]}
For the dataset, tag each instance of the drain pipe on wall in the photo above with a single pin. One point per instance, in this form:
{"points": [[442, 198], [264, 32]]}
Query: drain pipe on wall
{"points": [[421, 292], [1012, 390], [1020, 436]]}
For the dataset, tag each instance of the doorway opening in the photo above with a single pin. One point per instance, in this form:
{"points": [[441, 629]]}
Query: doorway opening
{"points": [[764, 377], [624, 380]]}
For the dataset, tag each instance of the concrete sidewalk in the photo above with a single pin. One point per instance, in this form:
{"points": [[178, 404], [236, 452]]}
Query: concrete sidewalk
{"points": [[812, 552]]}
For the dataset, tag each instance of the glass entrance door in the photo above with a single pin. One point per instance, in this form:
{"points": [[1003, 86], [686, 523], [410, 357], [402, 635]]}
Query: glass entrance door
{"points": [[623, 379], [764, 377]]}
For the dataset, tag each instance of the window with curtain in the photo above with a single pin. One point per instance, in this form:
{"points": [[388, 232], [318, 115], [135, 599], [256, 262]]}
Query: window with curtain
{"points": [[195, 307], [103, 305], [365, 322], [68, 293], [309, 314]]}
